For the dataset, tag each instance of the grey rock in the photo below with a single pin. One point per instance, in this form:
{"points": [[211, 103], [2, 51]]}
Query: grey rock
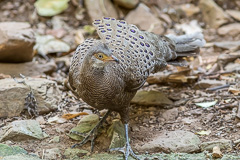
{"points": [[21, 157], [213, 15], [13, 94], [154, 98], [52, 154], [147, 20], [6, 150], [27, 69], [223, 144], [117, 132], [22, 130], [174, 141], [85, 125], [16, 42]]}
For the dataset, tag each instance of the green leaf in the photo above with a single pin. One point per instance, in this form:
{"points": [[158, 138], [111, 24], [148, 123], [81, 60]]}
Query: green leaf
{"points": [[50, 7], [206, 104]]}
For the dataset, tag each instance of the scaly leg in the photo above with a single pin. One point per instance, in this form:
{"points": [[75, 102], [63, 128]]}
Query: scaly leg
{"points": [[126, 150], [93, 133]]}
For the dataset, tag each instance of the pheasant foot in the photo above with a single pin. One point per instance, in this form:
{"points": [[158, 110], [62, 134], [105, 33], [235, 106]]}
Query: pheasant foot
{"points": [[126, 150]]}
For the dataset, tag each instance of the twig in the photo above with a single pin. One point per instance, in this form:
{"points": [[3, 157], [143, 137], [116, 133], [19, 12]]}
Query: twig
{"points": [[218, 87]]}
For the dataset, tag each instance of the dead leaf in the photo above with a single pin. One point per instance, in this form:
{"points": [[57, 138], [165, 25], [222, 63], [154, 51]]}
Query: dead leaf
{"points": [[3, 76], [204, 132], [234, 91], [206, 104], [56, 119], [227, 100], [79, 38], [73, 115], [216, 152], [50, 7]]}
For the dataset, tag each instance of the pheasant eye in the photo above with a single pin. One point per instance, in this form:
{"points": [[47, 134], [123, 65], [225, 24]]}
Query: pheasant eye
{"points": [[100, 56]]}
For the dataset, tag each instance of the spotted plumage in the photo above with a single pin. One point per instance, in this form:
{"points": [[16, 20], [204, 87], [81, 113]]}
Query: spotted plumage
{"points": [[131, 55]]}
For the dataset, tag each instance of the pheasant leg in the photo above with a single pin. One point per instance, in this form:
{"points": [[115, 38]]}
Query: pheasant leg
{"points": [[92, 134], [126, 150]]}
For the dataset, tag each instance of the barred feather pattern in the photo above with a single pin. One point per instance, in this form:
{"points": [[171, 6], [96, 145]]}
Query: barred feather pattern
{"points": [[139, 53]]}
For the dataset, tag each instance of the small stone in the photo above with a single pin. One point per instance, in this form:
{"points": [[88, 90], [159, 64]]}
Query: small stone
{"points": [[173, 141], [189, 9], [232, 29], [238, 125], [56, 139], [22, 130], [197, 111], [213, 15], [188, 120], [182, 108], [135, 128], [228, 117], [223, 144], [72, 153], [41, 120], [52, 154], [170, 115], [146, 21], [208, 118], [16, 40]]}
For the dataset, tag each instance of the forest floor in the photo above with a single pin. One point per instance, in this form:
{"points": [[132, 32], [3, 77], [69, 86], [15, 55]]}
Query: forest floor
{"points": [[204, 96]]}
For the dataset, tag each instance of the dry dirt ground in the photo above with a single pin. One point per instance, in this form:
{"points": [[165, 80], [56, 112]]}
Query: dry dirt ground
{"points": [[146, 121]]}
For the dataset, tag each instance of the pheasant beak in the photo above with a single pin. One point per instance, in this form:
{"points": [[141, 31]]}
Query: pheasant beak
{"points": [[112, 58]]}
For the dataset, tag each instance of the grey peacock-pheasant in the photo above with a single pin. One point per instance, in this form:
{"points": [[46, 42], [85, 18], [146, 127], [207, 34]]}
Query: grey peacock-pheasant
{"points": [[107, 72]]}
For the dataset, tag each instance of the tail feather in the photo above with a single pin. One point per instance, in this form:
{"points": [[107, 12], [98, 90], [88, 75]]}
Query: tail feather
{"points": [[188, 43], [185, 46]]}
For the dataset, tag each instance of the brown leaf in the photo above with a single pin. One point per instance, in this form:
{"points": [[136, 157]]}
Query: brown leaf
{"points": [[73, 115]]}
